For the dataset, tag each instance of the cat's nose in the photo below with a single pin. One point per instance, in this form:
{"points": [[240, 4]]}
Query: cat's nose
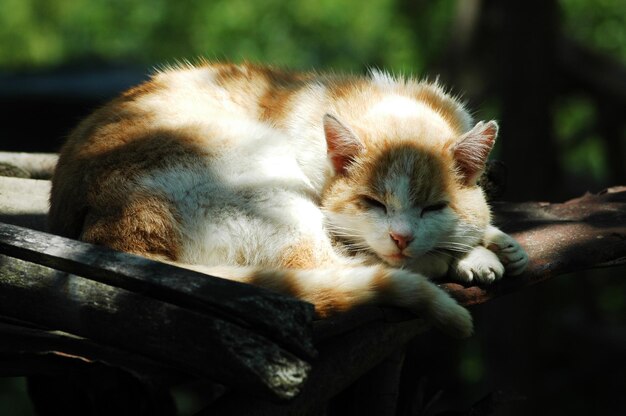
{"points": [[401, 240]]}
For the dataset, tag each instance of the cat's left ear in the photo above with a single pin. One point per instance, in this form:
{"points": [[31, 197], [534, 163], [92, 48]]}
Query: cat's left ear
{"points": [[472, 150], [343, 144]]}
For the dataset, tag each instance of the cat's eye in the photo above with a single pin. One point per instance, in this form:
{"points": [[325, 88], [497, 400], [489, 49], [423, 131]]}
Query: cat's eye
{"points": [[435, 207], [374, 203]]}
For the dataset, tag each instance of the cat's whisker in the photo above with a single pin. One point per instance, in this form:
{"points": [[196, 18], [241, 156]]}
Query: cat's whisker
{"points": [[443, 253], [343, 232], [357, 247], [342, 227], [455, 246], [347, 238]]}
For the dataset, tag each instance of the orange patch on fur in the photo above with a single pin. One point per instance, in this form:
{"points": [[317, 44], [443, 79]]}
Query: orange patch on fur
{"points": [[96, 174], [144, 225], [430, 179], [282, 281], [343, 88], [443, 104], [276, 103], [275, 106], [142, 89], [305, 255], [380, 280], [329, 302]]}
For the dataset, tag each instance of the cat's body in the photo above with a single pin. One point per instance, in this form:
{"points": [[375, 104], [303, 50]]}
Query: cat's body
{"points": [[224, 169]]}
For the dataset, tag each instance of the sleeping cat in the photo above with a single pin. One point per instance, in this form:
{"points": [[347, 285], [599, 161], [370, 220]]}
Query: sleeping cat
{"points": [[340, 190]]}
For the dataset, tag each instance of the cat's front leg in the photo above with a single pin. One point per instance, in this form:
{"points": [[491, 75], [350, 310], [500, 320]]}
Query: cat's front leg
{"points": [[510, 252], [479, 265], [487, 263]]}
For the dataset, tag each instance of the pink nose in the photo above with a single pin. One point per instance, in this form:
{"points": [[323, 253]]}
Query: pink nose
{"points": [[401, 240]]}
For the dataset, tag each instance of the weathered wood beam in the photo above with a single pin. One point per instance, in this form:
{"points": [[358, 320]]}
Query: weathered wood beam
{"points": [[285, 319], [375, 392], [198, 344], [580, 234], [36, 165], [24, 202], [36, 344], [343, 358]]}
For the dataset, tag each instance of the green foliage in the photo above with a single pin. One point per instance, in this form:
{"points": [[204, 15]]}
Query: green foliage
{"points": [[341, 34], [582, 152], [600, 24], [325, 33]]}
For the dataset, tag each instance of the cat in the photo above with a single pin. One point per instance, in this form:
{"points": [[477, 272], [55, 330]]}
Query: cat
{"points": [[340, 190]]}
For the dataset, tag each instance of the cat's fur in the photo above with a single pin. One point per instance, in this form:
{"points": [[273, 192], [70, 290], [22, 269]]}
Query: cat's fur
{"points": [[225, 169]]}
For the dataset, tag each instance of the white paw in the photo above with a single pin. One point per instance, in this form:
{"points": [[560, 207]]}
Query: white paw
{"points": [[509, 251], [480, 265]]}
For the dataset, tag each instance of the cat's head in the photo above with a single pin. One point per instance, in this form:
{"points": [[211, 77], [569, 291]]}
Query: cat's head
{"points": [[406, 194]]}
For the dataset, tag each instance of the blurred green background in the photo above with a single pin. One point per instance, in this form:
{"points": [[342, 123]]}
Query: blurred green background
{"points": [[345, 34], [552, 71]]}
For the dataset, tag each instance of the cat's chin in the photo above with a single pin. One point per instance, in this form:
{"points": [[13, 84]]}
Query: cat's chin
{"points": [[396, 260], [412, 261]]}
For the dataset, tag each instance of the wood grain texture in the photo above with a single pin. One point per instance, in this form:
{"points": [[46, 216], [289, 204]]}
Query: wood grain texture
{"points": [[36, 165], [342, 360], [285, 319], [24, 202], [195, 343], [580, 234]]}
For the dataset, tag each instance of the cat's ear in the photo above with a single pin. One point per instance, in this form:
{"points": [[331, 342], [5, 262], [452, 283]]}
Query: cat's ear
{"points": [[343, 144], [472, 150]]}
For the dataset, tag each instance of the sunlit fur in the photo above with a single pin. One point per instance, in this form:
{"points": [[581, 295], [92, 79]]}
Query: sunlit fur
{"points": [[222, 168], [408, 170]]}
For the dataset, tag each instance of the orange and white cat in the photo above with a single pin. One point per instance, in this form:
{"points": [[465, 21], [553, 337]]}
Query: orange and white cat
{"points": [[340, 190]]}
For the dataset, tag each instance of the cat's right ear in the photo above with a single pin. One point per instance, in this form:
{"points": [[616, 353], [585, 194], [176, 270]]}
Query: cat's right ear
{"points": [[472, 150], [343, 144]]}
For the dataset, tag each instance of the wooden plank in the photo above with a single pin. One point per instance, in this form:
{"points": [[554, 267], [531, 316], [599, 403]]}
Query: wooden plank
{"points": [[342, 360], [37, 165], [283, 319], [24, 202], [20, 340], [195, 343], [375, 392], [580, 234]]}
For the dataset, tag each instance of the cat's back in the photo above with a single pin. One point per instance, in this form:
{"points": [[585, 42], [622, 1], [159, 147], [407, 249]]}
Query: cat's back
{"points": [[179, 121]]}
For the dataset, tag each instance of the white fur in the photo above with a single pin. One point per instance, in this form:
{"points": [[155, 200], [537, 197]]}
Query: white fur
{"points": [[398, 106], [253, 194], [480, 265]]}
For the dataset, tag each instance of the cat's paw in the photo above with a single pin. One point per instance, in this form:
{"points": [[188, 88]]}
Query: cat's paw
{"points": [[479, 265], [508, 250], [421, 296]]}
